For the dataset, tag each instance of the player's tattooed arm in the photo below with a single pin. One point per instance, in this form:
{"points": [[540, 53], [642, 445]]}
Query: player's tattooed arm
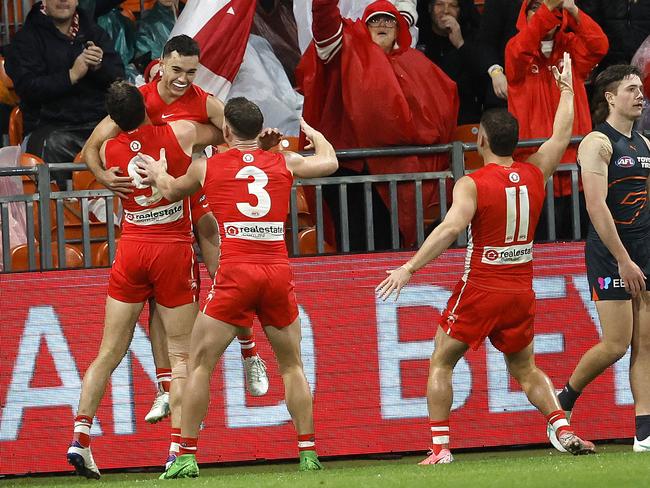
{"points": [[457, 219], [105, 130], [154, 172], [324, 161]]}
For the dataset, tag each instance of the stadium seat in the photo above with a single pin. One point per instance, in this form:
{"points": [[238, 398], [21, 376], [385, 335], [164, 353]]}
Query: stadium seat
{"points": [[100, 256], [73, 232], [7, 93], [20, 257], [85, 180], [16, 126], [467, 133], [307, 242]]}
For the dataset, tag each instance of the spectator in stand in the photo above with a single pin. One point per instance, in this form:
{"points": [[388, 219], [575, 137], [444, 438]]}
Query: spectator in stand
{"points": [[61, 64], [450, 41], [548, 29], [498, 26], [626, 23], [365, 86]]}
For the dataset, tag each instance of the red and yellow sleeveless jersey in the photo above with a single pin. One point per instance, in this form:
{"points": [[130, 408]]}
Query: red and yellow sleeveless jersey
{"points": [[191, 106], [249, 195], [146, 213], [500, 247]]}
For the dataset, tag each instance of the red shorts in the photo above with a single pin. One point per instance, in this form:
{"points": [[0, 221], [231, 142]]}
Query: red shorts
{"points": [[164, 270], [474, 313], [243, 289]]}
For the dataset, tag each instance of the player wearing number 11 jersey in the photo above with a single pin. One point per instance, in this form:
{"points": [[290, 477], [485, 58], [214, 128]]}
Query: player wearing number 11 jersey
{"points": [[501, 204], [248, 190]]}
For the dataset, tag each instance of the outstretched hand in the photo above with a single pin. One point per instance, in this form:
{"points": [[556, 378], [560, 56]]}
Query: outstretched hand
{"points": [[396, 280], [310, 133], [269, 138], [151, 169], [564, 79]]}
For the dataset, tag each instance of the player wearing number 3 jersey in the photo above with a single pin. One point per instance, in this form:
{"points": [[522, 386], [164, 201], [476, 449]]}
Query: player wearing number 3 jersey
{"points": [[501, 204], [248, 190]]}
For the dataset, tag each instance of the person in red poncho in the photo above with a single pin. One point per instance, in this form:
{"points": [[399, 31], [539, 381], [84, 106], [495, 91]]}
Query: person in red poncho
{"points": [[547, 29], [364, 86]]}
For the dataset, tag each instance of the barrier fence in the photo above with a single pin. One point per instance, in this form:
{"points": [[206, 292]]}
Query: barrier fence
{"points": [[58, 220]]}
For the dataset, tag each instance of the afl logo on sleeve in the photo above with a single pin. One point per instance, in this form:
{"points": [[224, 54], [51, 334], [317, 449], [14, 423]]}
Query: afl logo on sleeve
{"points": [[625, 162]]}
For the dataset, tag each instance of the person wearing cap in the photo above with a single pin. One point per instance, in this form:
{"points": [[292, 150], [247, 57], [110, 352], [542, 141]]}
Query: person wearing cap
{"points": [[548, 29], [364, 86]]}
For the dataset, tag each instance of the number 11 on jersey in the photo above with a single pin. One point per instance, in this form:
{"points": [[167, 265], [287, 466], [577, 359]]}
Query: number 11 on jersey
{"points": [[514, 216]]}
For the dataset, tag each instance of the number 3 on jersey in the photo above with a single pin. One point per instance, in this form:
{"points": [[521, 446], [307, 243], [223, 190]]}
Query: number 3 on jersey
{"points": [[517, 196], [255, 188]]}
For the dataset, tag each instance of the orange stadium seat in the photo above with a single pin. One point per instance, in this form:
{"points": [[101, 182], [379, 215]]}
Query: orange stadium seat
{"points": [[307, 242], [20, 257], [7, 93], [73, 232], [100, 257], [85, 180], [467, 133], [16, 130]]}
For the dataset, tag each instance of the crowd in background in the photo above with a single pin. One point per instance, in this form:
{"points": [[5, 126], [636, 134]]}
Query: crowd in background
{"points": [[448, 62]]}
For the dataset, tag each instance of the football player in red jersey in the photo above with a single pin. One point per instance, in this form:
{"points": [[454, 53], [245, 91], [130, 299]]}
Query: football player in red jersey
{"points": [[155, 232], [501, 204], [248, 190], [169, 97]]}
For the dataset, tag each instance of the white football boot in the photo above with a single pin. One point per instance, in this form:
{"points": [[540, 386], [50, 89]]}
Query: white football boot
{"points": [[160, 408], [257, 382], [82, 460]]}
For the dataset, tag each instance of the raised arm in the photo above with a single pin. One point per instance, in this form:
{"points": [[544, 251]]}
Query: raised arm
{"points": [[594, 154], [524, 46], [327, 28], [322, 163], [154, 173], [548, 156], [105, 130], [457, 219]]}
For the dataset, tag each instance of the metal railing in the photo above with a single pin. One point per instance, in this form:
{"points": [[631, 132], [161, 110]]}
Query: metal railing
{"points": [[46, 227]]}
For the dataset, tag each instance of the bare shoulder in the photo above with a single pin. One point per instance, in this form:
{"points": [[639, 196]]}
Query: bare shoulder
{"points": [[465, 185], [594, 153]]}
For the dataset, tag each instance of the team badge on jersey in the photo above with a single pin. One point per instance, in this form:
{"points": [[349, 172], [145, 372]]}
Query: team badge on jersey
{"points": [[135, 146], [625, 162], [248, 158], [514, 177]]}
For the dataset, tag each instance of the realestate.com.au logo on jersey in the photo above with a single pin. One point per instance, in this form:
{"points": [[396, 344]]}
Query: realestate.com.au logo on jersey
{"points": [[516, 254], [251, 231]]}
